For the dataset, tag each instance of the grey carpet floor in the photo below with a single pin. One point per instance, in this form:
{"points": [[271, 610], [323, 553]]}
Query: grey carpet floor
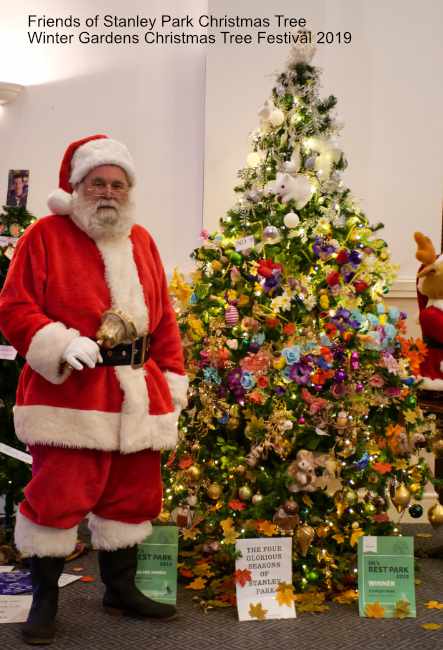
{"points": [[83, 624]]}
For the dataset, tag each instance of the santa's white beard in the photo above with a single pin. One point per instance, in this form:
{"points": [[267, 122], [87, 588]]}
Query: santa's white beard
{"points": [[101, 218]]}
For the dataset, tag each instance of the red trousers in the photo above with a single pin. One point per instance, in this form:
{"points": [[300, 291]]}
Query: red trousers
{"points": [[69, 483]]}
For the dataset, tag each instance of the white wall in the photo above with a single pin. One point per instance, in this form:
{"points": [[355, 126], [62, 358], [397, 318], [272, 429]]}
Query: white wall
{"points": [[390, 98], [151, 98]]}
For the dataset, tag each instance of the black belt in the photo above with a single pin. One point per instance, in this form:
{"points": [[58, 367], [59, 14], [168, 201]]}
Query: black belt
{"points": [[134, 354]]}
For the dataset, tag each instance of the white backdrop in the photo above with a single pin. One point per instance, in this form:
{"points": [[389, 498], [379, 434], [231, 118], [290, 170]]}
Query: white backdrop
{"points": [[151, 98], [390, 98]]}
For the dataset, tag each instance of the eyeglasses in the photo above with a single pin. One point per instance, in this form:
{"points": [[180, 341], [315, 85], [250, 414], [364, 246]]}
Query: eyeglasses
{"points": [[99, 186]]}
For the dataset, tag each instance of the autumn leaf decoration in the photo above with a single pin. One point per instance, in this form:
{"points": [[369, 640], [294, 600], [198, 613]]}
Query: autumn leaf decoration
{"points": [[434, 604], [203, 569], [382, 468], [311, 601], [190, 533], [267, 528], [285, 594], [230, 534], [197, 584], [257, 611], [431, 626], [356, 534], [375, 610], [242, 577], [346, 597]]}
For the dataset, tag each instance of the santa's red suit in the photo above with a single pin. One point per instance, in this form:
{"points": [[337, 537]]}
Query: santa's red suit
{"points": [[95, 434]]}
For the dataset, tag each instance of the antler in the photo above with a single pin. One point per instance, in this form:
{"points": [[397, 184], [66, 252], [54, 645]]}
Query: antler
{"points": [[425, 249]]}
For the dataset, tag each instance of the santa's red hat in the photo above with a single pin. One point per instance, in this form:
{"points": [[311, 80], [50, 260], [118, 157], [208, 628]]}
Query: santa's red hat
{"points": [[82, 156]]}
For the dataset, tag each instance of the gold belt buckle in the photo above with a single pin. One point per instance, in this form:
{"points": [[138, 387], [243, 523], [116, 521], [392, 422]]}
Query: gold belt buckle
{"points": [[143, 352]]}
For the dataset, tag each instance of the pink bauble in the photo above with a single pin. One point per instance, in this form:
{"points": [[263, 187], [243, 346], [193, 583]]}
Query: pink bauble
{"points": [[231, 315]]}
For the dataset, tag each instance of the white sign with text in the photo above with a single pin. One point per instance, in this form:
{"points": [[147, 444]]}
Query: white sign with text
{"points": [[265, 566]]}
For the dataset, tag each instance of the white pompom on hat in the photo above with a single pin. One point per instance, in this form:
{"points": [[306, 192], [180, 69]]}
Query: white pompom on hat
{"points": [[80, 157]]}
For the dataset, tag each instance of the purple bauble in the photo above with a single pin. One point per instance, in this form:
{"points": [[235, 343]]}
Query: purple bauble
{"points": [[340, 375]]}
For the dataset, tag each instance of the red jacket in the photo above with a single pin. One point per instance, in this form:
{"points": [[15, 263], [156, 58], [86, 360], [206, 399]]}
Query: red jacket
{"points": [[59, 283]]}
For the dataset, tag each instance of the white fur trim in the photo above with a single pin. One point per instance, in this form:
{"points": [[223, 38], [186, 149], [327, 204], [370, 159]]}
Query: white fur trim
{"points": [[60, 202], [33, 539], [420, 285], [435, 302], [45, 351], [109, 535], [103, 151], [123, 281], [430, 384], [139, 429], [178, 385], [62, 427]]}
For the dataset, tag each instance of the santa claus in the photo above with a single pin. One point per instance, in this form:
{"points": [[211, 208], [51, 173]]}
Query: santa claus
{"points": [[94, 409]]}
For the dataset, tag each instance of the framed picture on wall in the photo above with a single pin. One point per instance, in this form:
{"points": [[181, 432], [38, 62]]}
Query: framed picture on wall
{"points": [[18, 186]]}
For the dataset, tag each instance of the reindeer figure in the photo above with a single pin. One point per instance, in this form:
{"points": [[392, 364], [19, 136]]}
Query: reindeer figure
{"points": [[430, 302]]}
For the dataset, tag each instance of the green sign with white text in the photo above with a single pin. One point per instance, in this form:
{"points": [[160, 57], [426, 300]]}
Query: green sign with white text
{"points": [[157, 565], [386, 577]]}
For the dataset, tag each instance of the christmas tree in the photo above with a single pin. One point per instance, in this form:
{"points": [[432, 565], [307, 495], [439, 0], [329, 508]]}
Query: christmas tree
{"points": [[303, 416], [14, 474]]}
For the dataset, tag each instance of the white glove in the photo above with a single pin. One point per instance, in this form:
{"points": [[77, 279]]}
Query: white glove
{"points": [[82, 349]]}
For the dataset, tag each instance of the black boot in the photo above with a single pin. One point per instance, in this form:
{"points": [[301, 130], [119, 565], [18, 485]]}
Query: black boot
{"points": [[39, 629], [117, 570]]}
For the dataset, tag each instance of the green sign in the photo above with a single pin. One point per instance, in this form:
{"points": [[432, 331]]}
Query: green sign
{"points": [[386, 577], [157, 565]]}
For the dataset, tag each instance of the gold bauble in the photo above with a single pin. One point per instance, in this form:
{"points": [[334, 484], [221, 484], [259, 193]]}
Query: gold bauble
{"points": [[245, 493], [193, 472], [401, 498], [304, 536], [415, 488], [257, 498], [435, 515], [214, 491]]}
